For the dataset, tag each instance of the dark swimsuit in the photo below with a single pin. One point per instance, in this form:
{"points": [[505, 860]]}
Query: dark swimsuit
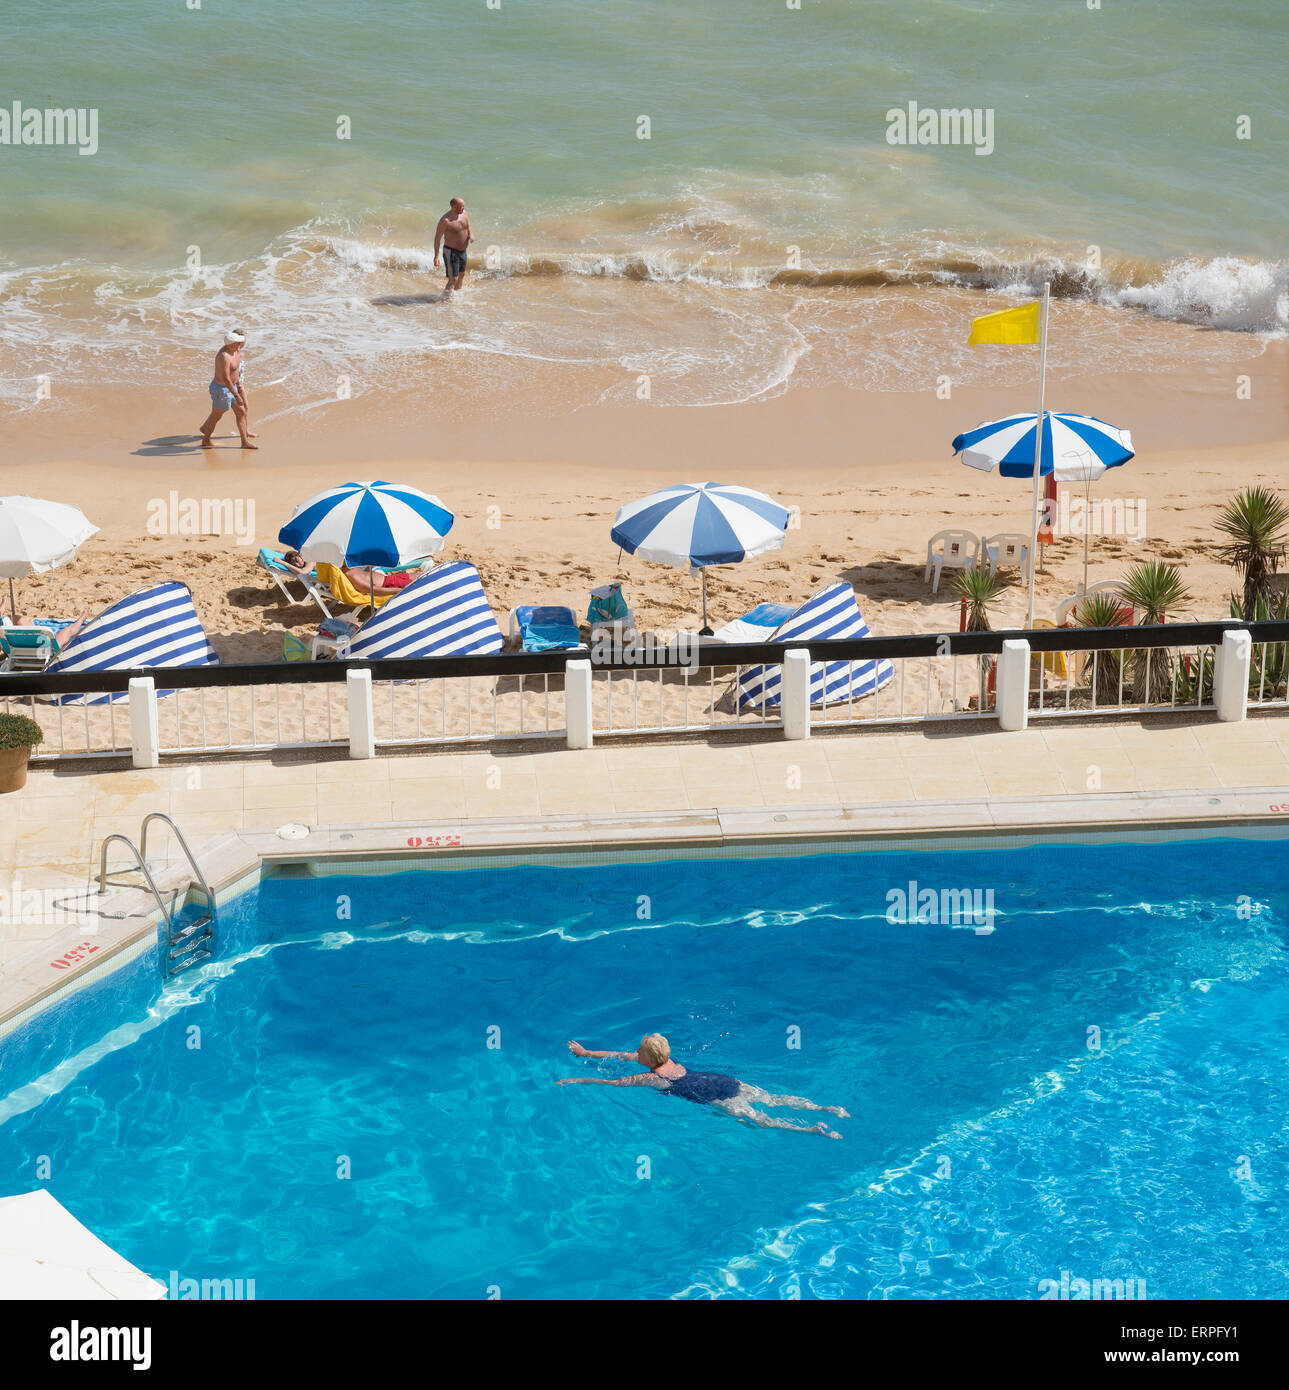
{"points": [[454, 261], [702, 1087]]}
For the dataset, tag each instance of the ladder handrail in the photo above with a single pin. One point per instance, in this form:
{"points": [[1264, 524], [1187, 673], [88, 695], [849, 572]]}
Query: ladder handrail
{"points": [[183, 844], [147, 873]]}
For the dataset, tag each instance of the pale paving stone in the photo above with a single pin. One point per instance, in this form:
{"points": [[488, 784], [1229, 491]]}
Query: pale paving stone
{"points": [[652, 799], [708, 795], [53, 810], [404, 767], [296, 797], [428, 797], [1044, 780], [203, 802], [208, 775], [350, 771], [1113, 779], [883, 789], [625, 780], [269, 774], [587, 799], [1174, 777]]}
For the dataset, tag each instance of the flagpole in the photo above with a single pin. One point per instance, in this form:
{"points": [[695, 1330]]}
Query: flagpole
{"points": [[1038, 451]]}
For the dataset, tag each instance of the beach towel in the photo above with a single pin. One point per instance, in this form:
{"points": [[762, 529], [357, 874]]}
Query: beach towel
{"points": [[757, 625], [831, 614], [546, 628], [443, 613], [344, 592], [158, 626]]}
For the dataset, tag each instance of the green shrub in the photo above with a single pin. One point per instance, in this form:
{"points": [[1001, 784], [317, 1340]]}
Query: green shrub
{"points": [[17, 731]]}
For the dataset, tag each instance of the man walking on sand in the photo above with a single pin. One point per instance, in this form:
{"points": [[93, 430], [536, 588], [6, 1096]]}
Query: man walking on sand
{"points": [[228, 393], [454, 235]]}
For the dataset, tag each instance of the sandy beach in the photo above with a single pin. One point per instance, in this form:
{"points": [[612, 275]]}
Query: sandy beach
{"points": [[535, 485]]}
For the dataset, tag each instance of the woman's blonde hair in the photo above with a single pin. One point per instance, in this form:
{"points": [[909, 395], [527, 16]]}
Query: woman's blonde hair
{"points": [[655, 1049]]}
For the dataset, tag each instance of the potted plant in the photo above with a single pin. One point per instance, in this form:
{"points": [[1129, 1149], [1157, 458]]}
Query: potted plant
{"points": [[18, 736]]}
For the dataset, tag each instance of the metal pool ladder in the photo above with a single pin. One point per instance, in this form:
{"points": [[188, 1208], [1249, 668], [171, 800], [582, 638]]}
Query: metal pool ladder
{"points": [[189, 944]]}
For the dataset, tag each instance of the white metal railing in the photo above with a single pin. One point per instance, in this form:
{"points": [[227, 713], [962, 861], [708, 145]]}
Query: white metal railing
{"points": [[1051, 673], [1116, 680]]}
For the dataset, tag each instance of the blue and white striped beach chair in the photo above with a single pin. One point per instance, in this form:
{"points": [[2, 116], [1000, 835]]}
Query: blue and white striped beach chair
{"points": [[444, 613], [831, 613], [158, 626]]}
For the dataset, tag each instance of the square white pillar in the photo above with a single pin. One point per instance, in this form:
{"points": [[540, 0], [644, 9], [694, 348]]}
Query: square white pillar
{"points": [[1012, 685], [794, 690], [577, 703], [362, 715], [1231, 666], [145, 741]]}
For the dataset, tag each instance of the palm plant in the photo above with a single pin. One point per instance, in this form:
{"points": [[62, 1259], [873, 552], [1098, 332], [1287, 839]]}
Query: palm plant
{"points": [[980, 588], [1257, 521], [1104, 610], [1155, 589], [1269, 672]]}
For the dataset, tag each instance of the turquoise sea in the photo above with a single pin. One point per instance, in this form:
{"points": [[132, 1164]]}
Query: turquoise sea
{"points": [[281, 163]]}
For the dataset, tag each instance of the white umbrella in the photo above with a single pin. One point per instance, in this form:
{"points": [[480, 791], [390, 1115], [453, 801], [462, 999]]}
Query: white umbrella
{"points": [[36, 536], [46, 1253]]}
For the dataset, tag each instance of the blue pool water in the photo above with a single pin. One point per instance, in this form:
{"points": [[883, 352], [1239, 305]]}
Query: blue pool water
{"points": [[345, 1028]]}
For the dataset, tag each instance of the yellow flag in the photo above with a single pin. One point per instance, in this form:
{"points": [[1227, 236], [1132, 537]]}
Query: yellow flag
{"points": [[1007, 326]]}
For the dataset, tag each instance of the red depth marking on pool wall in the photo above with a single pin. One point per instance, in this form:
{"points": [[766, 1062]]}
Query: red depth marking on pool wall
{"points": [[75, 955], [433, 841], [1281, 809]]}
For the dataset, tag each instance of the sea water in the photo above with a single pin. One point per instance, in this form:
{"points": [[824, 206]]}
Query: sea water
{"points": [[706, 192]]}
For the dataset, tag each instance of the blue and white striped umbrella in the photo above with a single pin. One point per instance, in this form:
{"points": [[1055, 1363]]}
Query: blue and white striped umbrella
{"points": [[1077, 448], [368, 524], [701, 524]]}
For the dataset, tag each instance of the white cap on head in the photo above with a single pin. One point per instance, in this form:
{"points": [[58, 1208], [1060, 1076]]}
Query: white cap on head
{"points": [[233, 336]]}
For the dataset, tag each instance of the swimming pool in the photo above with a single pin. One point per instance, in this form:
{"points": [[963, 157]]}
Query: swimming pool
{"points": [[1085, 1085]]}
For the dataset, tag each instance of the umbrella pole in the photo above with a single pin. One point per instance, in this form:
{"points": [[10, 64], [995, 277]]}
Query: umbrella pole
{"points": [[1038, 454], [704, 631], [13, 611], [1087, 507]]}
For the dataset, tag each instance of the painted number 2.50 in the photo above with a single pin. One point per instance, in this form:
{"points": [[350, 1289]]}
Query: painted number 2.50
{"points": [[77, 953]]}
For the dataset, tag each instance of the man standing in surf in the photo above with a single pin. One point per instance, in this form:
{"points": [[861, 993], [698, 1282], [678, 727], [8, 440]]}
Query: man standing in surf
{"points": [[453, 234]]}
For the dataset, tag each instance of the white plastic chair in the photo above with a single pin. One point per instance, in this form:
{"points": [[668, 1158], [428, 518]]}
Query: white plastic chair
{"points": [[1006, 548], [957, 550], [1068, 605]]}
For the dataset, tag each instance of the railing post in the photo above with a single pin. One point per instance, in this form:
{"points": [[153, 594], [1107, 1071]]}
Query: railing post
{"points": [[577, 703], [362, 715], [1231, 666], [1012, 685], [145, 742], [794, 689]]}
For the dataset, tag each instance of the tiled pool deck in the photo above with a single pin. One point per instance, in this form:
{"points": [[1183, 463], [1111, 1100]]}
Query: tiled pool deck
{"points": [[921, 782]]}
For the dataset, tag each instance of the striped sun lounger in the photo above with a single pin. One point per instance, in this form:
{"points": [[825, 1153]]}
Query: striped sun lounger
{"points": [[444, 613], [158, 626], [831, 613]]}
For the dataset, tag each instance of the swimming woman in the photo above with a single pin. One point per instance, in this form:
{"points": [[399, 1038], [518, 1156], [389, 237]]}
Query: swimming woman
{"points": [[735, 1098]]}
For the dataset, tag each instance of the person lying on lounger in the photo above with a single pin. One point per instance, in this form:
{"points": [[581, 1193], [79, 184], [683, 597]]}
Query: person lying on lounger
{"points": [[61, 639], [359, 577], [735, 1098]]}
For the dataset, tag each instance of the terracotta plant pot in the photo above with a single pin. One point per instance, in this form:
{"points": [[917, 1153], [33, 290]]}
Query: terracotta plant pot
{"points": [[13, 768]]}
